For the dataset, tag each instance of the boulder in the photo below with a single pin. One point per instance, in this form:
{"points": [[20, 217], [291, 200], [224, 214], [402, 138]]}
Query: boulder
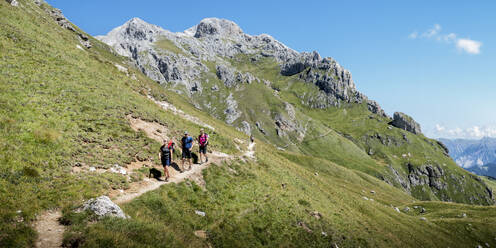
{"points": [[13, 3], [405, 122], [103, 207]]}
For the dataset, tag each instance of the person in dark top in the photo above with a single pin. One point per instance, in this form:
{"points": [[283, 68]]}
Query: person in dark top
{"points": [[202, 143], [186, 145], [165, 155]]}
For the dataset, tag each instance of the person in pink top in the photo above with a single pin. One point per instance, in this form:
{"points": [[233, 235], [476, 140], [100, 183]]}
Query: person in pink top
{"points": [[202, 143]]}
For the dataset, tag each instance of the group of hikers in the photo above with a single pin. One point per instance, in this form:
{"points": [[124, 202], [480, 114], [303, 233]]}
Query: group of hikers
{"points": [[168, 148]]}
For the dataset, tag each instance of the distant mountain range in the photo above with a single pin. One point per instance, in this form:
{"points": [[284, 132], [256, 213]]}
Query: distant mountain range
{"points": [[477, 156]]}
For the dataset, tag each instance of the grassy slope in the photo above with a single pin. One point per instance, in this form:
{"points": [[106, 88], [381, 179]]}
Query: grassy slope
{"points": [[59, 106], [246, 205], [352, 134]]}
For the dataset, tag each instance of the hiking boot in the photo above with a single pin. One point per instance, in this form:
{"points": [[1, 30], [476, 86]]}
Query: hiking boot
{"points": [[206, 161]]}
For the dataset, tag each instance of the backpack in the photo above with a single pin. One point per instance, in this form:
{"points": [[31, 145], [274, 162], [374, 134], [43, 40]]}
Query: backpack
{"points": [[203, 139]]}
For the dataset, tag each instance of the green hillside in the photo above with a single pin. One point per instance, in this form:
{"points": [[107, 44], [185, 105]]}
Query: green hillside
{"points": [[62, 106], [349, 135]]}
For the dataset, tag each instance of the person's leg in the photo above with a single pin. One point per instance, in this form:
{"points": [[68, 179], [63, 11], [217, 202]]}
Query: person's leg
{"points": [[189, 160], [182, 162], [200, 152], [205, 153], [166, 173]]}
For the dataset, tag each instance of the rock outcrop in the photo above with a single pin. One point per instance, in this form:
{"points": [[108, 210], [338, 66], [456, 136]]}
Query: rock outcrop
{"points": [[232, 113], [405, 122], [103, 207], [426, 175], [330, 77], [245, 128]]}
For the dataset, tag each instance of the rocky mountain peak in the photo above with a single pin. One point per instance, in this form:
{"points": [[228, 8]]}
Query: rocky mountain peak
{"points": [[221, 40], [215, 27]]}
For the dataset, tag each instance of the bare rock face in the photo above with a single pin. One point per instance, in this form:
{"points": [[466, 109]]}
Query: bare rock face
{"points": [[245, 128], [226, 75], [405, 122], [103, 207], [426, 175], [232, 113], [330, 77], [232, 78]]}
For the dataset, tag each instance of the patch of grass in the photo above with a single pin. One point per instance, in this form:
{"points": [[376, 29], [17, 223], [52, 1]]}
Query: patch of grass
{"points": [[168, 45]]}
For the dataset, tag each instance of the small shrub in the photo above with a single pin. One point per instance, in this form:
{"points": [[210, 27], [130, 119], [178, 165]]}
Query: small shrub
{"points": [[304, 203], [30, 172]]}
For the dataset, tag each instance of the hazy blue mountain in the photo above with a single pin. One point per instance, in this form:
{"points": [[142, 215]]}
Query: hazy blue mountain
{"points": [[478, 156], [485, 170]]}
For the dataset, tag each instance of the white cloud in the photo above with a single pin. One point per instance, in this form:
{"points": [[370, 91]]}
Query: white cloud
{"points": [[449, 37], [475, 132], [439, 128], [433, 31], [413, 35], [469, 46], [463, 44]]}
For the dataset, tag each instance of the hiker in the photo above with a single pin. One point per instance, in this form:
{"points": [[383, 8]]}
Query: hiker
{"points": [[202, 143], [186, 145], [165, 155]]}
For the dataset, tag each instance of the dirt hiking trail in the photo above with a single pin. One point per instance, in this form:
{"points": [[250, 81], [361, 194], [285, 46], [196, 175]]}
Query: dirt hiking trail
{"points": [[149, 184], [50, 231]]}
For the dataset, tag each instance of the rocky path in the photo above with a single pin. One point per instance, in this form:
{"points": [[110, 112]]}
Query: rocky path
{"points": [[50, 231], [194, 174]]}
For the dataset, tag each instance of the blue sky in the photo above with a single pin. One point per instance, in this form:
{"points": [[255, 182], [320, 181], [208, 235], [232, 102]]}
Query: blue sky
{"points": [[434, 60]]}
